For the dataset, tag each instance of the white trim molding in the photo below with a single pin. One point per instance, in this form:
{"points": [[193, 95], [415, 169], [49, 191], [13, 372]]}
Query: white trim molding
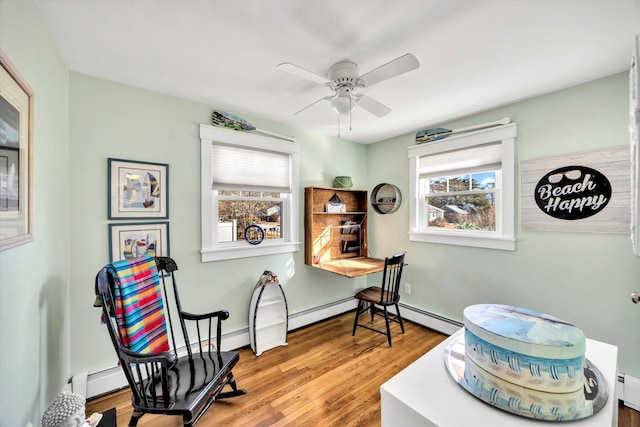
{"points": [[504, 236], [212, 250], [110, 379]]}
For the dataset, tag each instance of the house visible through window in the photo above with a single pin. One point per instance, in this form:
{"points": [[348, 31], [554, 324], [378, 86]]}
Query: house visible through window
{"points": [[239, 209], [462, 202], [462, 189], [247, 180]]}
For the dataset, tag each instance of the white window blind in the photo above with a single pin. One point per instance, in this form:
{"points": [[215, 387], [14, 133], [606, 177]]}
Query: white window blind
{"points": [[249, 169], [487, 156]]}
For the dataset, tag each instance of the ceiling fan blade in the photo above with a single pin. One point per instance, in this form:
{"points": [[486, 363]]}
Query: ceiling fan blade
{"points": [[326, 98], [394, 68], [372, 106], [290, 68]]}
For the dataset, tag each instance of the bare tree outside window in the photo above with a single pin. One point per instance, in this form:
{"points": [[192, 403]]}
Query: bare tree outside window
{"points": [[239, 209], [463, 202]]}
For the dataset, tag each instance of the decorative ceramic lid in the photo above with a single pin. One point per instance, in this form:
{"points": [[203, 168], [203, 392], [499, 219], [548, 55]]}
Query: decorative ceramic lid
{"points": [[525, 331]]}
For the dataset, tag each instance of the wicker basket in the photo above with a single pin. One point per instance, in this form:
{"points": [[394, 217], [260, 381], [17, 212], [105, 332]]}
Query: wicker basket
{"points": [[343, 182]]}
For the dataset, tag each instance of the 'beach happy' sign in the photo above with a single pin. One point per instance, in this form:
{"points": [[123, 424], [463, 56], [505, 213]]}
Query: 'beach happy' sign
{"points": [[573, 192], [588, 191]]}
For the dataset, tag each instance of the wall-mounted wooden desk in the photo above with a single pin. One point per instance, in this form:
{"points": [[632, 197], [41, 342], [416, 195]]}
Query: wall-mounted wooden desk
{"points": [[353, 267], [336, 241]]}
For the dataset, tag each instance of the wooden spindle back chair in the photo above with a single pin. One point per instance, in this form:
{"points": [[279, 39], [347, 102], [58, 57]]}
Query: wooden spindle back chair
{"points": [[165, 376], [383, 296]]}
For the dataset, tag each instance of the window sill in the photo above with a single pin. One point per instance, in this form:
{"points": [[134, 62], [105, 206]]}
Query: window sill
{"points": [[478, 241], [221, 254]]}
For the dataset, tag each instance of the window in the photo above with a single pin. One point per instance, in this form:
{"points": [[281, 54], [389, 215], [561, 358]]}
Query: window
{"points": [[247, 179], [462, 189], [461, 202]]}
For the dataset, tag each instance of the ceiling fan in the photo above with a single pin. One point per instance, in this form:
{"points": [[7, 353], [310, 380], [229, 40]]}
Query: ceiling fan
{"points": [[344, 79]]}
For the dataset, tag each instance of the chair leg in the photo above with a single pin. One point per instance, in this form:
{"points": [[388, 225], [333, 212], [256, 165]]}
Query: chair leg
{"points": [[232, 381], [400, 318], [135, 417], [355, 322], [234, 387], [372, 307], [386, 321]]}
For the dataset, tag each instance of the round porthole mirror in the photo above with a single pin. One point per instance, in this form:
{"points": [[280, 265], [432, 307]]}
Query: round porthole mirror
{"points": [[386, 198]]}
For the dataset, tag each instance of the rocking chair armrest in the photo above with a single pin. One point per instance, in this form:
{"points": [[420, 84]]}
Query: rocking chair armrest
{"points": [[167, 359], [220, 314]]}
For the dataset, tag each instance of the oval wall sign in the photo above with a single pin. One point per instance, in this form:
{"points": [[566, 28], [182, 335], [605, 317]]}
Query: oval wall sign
{"points": [[573, 192]]}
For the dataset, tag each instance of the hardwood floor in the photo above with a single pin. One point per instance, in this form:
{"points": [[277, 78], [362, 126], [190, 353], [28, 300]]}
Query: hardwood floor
{"points": [[324, 377], [628, 417]]}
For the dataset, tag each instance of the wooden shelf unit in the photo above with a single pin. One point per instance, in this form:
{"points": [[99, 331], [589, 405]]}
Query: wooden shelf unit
{"points": [[332, 239]]}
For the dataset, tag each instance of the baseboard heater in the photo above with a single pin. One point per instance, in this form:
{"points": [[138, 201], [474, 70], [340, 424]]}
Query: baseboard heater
{"points": [[430, 320], [111, 379], [629, 391]]}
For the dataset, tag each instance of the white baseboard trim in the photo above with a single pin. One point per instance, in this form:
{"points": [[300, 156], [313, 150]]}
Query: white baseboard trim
{"points": [[619, 394], [317, 314], [112, 378], [629, 391], [79, 384], [430, 320], [105, 381]]}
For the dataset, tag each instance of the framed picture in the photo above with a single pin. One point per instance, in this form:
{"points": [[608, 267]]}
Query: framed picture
{"points": [[128, 241], [16, 157], [138, 190]]}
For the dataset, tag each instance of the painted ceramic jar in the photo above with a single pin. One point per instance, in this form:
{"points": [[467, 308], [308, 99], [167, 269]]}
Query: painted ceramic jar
{"points": [[525, 401], [525, 347]]}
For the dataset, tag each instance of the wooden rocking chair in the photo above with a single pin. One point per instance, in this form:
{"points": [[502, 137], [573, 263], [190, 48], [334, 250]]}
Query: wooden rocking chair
{"points": [[164, 378]]}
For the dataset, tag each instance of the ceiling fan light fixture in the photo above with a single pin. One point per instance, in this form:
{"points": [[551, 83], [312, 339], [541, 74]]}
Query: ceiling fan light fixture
{"points": [[343, 105], [344, 77]]}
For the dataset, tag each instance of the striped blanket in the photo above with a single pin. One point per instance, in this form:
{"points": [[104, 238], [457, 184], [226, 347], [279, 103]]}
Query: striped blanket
{"points": [[139, 305]]}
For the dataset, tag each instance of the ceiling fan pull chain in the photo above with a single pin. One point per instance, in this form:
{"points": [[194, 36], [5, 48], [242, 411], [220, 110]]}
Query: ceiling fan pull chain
{"points": [[338, 125]]}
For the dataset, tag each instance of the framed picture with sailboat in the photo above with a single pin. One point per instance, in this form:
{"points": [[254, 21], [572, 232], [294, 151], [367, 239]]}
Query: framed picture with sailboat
{"points": [[134, 240], [138, 190]]}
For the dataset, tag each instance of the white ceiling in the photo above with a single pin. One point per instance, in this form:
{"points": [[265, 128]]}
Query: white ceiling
{"points": [[474, 55]]}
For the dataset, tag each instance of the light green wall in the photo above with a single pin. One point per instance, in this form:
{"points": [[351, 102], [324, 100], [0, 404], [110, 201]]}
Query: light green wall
{"points": [[34, 277], [584, 278], [46, 286], [113, 120]]}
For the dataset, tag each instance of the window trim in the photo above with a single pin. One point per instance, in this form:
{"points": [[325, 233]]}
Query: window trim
{"points": [[212, 251], [504, 236]]}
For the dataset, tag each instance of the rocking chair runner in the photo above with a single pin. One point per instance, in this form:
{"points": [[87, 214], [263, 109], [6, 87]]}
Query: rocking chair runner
{"points": [[388, 294], [161, 380]]}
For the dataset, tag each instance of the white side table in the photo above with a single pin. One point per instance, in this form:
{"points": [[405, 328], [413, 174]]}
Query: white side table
{"points": [[425, 394]]}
